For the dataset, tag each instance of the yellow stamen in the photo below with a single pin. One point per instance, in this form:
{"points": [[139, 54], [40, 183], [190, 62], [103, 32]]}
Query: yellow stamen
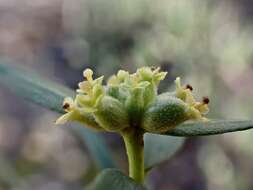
{"points": [[88, 73]]}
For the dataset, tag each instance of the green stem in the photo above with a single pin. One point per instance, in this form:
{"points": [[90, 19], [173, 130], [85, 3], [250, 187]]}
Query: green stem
{"points": [[135, 151]]}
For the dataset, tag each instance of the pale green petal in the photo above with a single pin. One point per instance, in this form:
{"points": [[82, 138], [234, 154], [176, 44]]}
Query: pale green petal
{"points": [[64, 118]]}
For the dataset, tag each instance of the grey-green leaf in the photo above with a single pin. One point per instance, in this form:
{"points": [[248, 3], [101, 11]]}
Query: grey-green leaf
{"points": [[50, 95], [163, 147], [28, 85], [212, 127], [112, 179], [159, 148]]}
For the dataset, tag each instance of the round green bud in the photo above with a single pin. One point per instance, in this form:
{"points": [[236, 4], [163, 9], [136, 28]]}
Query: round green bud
{"points": [[163, 114], [111, 114]]}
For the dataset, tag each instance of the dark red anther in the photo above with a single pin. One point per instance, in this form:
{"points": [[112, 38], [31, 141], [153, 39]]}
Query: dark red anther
{"points": [[153, 68], [66, 106], [188, 86], [205, 100]]}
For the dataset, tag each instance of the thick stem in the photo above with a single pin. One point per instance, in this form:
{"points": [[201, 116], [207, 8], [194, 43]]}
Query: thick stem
{"points": [[135, 151]]}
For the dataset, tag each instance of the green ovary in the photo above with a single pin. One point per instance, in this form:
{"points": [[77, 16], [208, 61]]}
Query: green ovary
{"points": [[111, 114], [164, 114]]}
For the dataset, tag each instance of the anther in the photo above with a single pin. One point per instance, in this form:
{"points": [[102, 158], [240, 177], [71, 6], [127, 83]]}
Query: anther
{"points": [[205, 100], [188, 86], [153, 68], [65, 106]]}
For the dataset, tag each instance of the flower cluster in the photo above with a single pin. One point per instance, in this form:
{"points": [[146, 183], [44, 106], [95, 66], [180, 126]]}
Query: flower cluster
{"points": [[131, 100]]}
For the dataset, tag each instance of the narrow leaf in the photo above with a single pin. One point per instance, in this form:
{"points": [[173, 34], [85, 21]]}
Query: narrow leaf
{"points": [[210, 128], [159, 148], [114, 180], [50, 95], [34, 88]]}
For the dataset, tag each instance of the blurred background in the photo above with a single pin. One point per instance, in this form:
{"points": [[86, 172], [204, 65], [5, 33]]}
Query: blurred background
{"points": [[209, 43]]}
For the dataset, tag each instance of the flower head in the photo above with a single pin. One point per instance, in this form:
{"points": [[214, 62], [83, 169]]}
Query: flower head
{"points": [[131, 100]]}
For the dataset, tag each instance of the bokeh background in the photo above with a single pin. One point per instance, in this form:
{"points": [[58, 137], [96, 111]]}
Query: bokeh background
{"points": [[209, 43]]}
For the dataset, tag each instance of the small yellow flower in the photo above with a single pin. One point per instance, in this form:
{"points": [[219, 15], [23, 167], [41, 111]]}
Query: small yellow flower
{"points": [[69, 107], [197, 110], [88, 96], [151, 75]]}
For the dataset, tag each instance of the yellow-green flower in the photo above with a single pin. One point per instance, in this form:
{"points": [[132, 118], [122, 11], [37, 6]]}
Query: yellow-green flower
{"points": [[197, 110], [131, 101]]}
